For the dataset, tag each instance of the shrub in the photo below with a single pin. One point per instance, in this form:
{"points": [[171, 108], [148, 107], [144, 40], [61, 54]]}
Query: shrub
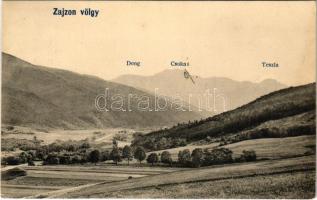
{"points": [[121, 137], [31, 163], [64, 160], [51, 159], [85, 145], [9, 144], [248, 155], [11, 160]]}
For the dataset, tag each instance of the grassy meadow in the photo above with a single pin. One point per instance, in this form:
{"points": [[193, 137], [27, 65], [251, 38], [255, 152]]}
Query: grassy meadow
{"points": [[285, 168], [282, 178]]}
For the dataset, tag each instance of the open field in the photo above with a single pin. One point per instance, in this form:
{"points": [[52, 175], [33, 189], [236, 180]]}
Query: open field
{"points": [[205, 174], [275, 148], [288, 172], [16, 191], [41, 179], [300, 185], [268, 148], [95, 136]]}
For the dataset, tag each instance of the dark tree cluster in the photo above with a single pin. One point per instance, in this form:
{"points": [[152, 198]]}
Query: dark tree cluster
{"points": [[157, 143], [200, 157]]}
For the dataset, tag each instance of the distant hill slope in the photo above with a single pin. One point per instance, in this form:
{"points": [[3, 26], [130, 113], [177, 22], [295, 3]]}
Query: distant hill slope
{"points": [[171, 82], [283, 113], [37, 96]]}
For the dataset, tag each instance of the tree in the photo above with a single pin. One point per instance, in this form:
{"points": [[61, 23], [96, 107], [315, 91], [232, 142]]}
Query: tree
{"points": [[76, 159], [115, 155], [197, 157], [64, 159], [166, 157], [31, 163], [52, 159], [23, 157], [139, 154], [85, 145], [94, 156], [71, 148], [152, 158], [184, 157], [127, 153], [218, 156], [105, 156], [84, 159], [41, 152]]}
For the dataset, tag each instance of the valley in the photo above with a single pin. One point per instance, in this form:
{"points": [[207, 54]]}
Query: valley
{"points": [[55, 143]]}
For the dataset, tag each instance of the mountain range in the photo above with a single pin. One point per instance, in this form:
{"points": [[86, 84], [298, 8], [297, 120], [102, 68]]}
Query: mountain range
{"points": [[37, 96], [44, 97], [224, 93]]}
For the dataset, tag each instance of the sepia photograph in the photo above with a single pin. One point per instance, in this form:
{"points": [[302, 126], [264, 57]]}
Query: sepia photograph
{"points": [[158, 99]]}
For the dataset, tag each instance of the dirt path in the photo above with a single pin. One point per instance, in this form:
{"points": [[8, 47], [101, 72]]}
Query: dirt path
{"points": [[57, 193]]}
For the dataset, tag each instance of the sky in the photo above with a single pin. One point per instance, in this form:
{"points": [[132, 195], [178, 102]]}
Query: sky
{"points": [[222, 39]]}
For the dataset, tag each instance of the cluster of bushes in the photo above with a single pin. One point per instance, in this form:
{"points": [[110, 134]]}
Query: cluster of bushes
{"points": [[121, 137], [63, 151], [73, 158], [200, 157], [10, 144], [269, 132], [23, 157], [154, 144], [70, 145], [247, 156], [80, 152]]}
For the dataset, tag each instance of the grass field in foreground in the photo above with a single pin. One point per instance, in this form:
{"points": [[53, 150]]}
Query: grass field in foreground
{"points": [[204, 174], [41, 179], [299, 185]]}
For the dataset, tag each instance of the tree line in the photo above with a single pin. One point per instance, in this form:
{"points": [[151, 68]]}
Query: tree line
{"points": [[80, 152]]}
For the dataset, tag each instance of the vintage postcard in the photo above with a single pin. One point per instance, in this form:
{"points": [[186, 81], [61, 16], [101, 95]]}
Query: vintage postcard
{"points": [[158, 99]]}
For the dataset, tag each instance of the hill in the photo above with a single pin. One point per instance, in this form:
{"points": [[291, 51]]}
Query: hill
{"points": [[171, 82], [36, 96], [287, 112]]}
